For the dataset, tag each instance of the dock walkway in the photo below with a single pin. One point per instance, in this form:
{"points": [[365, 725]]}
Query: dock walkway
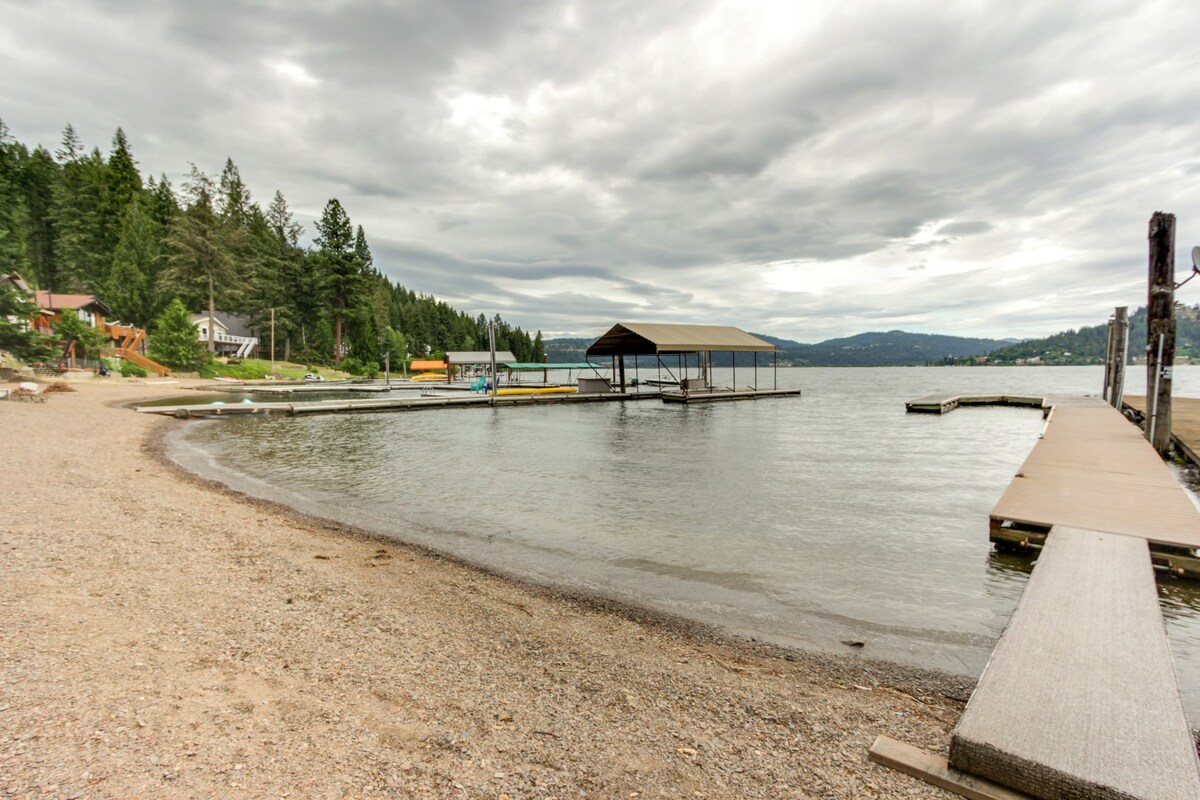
{"points": [[184, 411], [1080, 697]]}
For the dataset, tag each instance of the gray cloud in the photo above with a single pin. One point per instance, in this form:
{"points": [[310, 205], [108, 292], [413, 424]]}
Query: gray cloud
{"points": [[567, 164]]}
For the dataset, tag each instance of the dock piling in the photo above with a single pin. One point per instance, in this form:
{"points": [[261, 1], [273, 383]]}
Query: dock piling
{"points": [[1160, 329]]}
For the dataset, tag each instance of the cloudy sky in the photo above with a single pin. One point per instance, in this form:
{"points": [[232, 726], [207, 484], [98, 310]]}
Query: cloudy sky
{"points": [[802, 169]]}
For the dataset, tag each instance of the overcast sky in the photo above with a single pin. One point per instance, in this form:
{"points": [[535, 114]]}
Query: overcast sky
{"points": [[802, 169]]}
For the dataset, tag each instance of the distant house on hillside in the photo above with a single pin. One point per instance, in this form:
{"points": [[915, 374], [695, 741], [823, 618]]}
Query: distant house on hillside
{"points": [[231, 335]]}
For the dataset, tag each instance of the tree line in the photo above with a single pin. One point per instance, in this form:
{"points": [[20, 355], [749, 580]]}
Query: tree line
{"points": [[76, 221]]}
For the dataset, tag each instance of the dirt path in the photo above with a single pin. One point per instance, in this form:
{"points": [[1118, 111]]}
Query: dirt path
{"points": [[162, 639]]}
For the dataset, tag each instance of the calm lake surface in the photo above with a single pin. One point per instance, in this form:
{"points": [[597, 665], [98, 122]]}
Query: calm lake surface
{"points": [[802, 521]]}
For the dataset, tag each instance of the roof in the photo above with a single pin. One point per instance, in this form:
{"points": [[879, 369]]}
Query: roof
{"points": [[477, 357], [537, 365], [649, 338], [203, 318], [62, 302], [428, 364]]}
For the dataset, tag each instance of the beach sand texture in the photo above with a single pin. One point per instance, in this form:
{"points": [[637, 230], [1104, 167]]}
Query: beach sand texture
{"points": [[163, 638]]}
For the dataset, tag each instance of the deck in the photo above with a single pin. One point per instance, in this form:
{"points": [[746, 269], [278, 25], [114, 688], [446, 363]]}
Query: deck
{"points": [[1080, 697]]}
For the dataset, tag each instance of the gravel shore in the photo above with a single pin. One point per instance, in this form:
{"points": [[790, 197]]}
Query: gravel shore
{"points": [[161, 637]]}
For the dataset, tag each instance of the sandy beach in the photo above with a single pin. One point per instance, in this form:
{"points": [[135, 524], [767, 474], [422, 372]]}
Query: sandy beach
{"points": [[162, 637]]}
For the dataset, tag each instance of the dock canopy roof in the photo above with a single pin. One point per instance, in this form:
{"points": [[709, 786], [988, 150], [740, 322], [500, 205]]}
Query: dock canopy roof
{"points": [[478, 357], [428, 364], [650, 338]]}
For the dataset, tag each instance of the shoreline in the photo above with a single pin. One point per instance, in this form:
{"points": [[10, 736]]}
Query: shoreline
{"points": [[851, 666], [334, 675]]}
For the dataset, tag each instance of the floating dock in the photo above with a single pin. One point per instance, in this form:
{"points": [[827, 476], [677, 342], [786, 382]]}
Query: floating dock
{"points": [[720, 395], [942, 403], [1080, 698], [391, 404]]}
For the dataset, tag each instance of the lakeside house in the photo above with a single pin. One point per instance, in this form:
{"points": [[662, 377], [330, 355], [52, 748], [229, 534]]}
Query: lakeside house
{"points": [[231, 335], [126, 341]]}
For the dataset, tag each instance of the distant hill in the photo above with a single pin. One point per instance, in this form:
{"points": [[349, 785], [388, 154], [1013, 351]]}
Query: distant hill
{"points": [[1087, 345], [884, 349], [876, 349]]}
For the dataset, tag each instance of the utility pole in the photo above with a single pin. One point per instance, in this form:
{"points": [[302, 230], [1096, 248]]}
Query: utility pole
{"points": [[1160, 330], [272, 341]]}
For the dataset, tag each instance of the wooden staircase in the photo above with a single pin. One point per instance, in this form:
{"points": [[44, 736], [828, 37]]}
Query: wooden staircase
{"points": [[129, 339]]}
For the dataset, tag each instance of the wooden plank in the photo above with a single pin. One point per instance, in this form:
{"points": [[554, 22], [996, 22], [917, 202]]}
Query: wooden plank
{"points": [[1080, 697], [936, 770]]}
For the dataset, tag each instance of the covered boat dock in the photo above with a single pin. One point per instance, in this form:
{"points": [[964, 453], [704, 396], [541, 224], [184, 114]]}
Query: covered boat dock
{"points": [[685, 345]]}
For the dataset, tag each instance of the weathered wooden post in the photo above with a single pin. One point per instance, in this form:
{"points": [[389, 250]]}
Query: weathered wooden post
{"points": [[1108, 364], [1160, 330], [492, 351], [1116, 393]]}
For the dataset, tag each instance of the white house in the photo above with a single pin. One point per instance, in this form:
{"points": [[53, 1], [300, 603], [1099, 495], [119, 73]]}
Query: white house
{"points": [[230, 339]]}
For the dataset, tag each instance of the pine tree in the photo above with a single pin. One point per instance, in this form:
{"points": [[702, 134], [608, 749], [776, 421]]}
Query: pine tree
{"points": [[174, 342], [131, 291], [13, 216], [278, 278], [233, 197], [76, 215], [341, 276], [41, 175], [199, 264], [122, 187]]}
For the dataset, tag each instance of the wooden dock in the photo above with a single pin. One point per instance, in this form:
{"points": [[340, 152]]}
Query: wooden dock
{"points": [[723, 395], [390, 404], [1080, 697], [944, 403]]}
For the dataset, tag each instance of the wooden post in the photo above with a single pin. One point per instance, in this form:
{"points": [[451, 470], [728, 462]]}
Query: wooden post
{"points": [[272, 341], [1160, 330], [492, 350], [1108, 363], [622, 362], [1116, 393]]}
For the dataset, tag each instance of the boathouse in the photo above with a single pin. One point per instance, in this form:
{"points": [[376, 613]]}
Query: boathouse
{"points": [[675, 348]]}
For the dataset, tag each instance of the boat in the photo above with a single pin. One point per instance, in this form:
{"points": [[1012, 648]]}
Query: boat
{"points": [[311, 378], [429, 376], [223, 379]]}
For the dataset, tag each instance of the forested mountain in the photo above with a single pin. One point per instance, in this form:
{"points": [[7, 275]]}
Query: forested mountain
{"points": [[77, 221], [878, 349], [1087, 345]]}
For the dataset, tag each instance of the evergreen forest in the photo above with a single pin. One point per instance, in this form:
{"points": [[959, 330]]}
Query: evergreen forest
{"points": [[77, 221]]}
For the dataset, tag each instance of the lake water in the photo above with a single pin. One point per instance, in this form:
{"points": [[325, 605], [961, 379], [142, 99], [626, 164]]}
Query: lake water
{"points": [[802, 521]]}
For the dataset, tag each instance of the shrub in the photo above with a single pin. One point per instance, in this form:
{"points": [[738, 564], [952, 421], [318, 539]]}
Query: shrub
{"points": [[131, 370]]}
